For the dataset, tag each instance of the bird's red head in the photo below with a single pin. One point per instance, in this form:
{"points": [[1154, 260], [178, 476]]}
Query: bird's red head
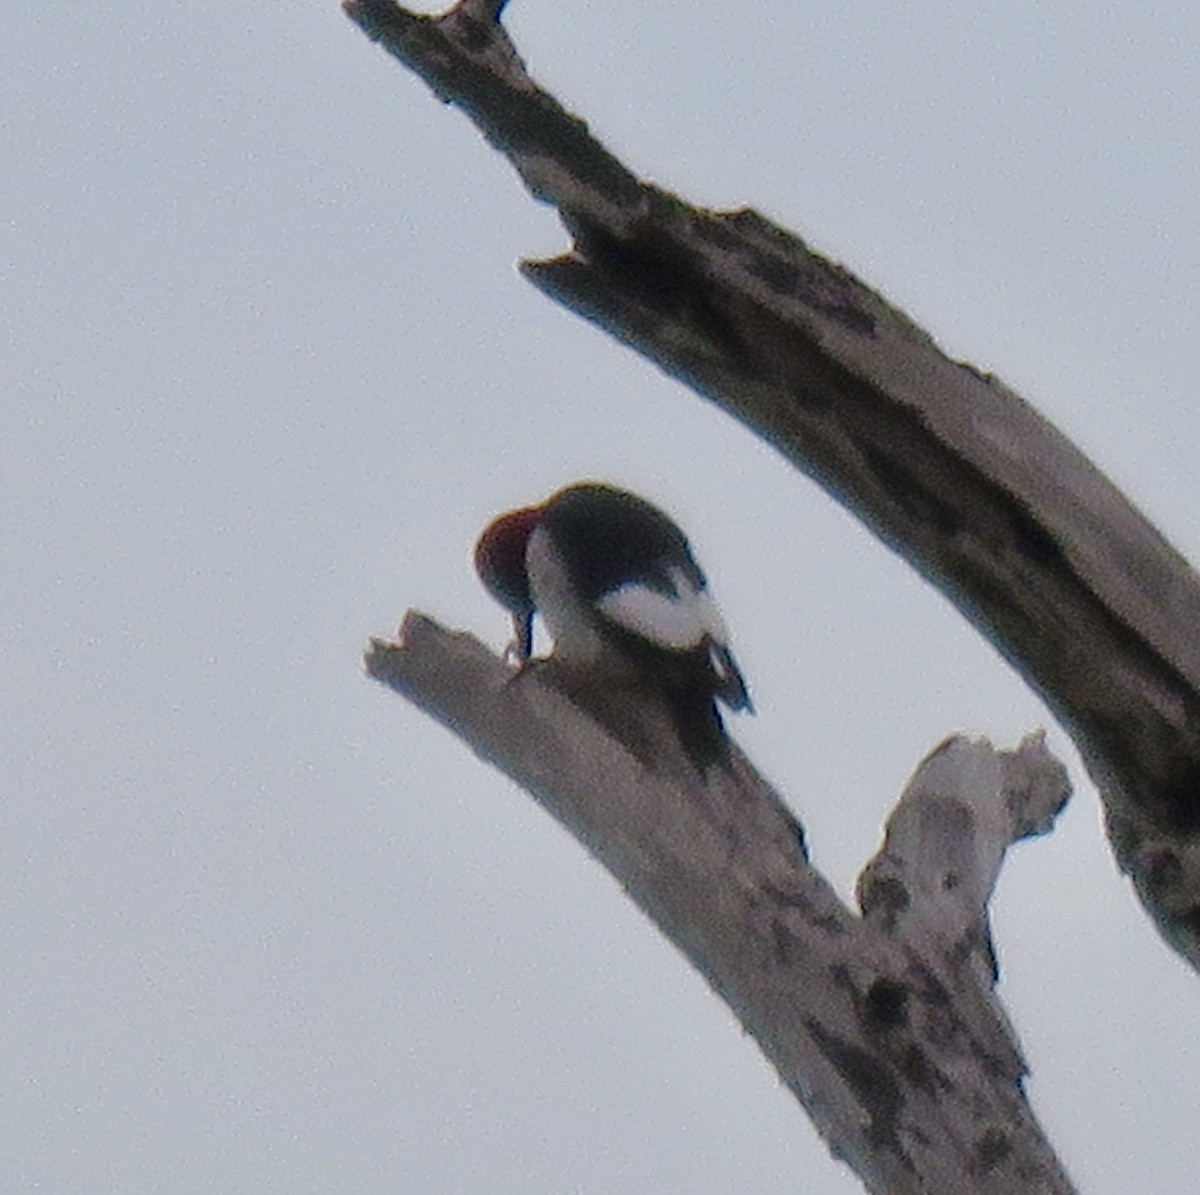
{"points": [[500, 563], [500, 558]]}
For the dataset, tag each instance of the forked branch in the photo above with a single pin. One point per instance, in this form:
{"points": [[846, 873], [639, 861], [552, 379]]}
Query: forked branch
{"points": [[884, 1026]]}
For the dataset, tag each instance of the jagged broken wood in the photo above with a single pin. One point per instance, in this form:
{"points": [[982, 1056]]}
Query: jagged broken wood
{"points": [[950, 468], [885, 1026]]}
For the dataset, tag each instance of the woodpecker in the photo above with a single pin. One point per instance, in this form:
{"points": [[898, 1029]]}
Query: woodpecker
{"points": [[614, 580]]}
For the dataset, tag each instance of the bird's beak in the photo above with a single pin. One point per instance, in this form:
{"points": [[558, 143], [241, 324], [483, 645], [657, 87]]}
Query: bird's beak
{"points": [[521, 648]]}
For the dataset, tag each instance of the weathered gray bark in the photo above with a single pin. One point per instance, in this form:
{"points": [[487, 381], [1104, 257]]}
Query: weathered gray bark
{"points": [[949, 467], [884, 1025]]}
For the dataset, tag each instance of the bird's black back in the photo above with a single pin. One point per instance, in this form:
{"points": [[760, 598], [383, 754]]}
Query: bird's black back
{"points": [[606, 536]]}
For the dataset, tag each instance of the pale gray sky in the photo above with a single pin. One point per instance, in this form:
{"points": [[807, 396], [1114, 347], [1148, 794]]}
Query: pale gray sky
{"points": [[268, 369]]}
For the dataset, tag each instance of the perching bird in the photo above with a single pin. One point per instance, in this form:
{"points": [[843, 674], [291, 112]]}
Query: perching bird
{"points": [[615, 582]]}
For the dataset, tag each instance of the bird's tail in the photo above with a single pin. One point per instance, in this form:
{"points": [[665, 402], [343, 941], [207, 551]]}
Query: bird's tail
{"points": [[731, 688]]}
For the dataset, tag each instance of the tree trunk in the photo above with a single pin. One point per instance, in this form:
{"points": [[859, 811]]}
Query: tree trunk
{"points": [[883, 1024]]}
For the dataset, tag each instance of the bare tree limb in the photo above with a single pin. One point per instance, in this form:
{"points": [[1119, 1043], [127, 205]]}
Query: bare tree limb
{"points": [[883, 1026], [946, 841], [950, 468]]}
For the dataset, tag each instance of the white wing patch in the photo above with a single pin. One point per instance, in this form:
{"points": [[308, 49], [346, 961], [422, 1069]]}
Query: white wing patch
{"points": [[679, 620]]}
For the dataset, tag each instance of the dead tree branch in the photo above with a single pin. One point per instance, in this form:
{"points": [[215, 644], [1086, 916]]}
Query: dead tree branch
{"points": [[946, 465], [885, 1026]]}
